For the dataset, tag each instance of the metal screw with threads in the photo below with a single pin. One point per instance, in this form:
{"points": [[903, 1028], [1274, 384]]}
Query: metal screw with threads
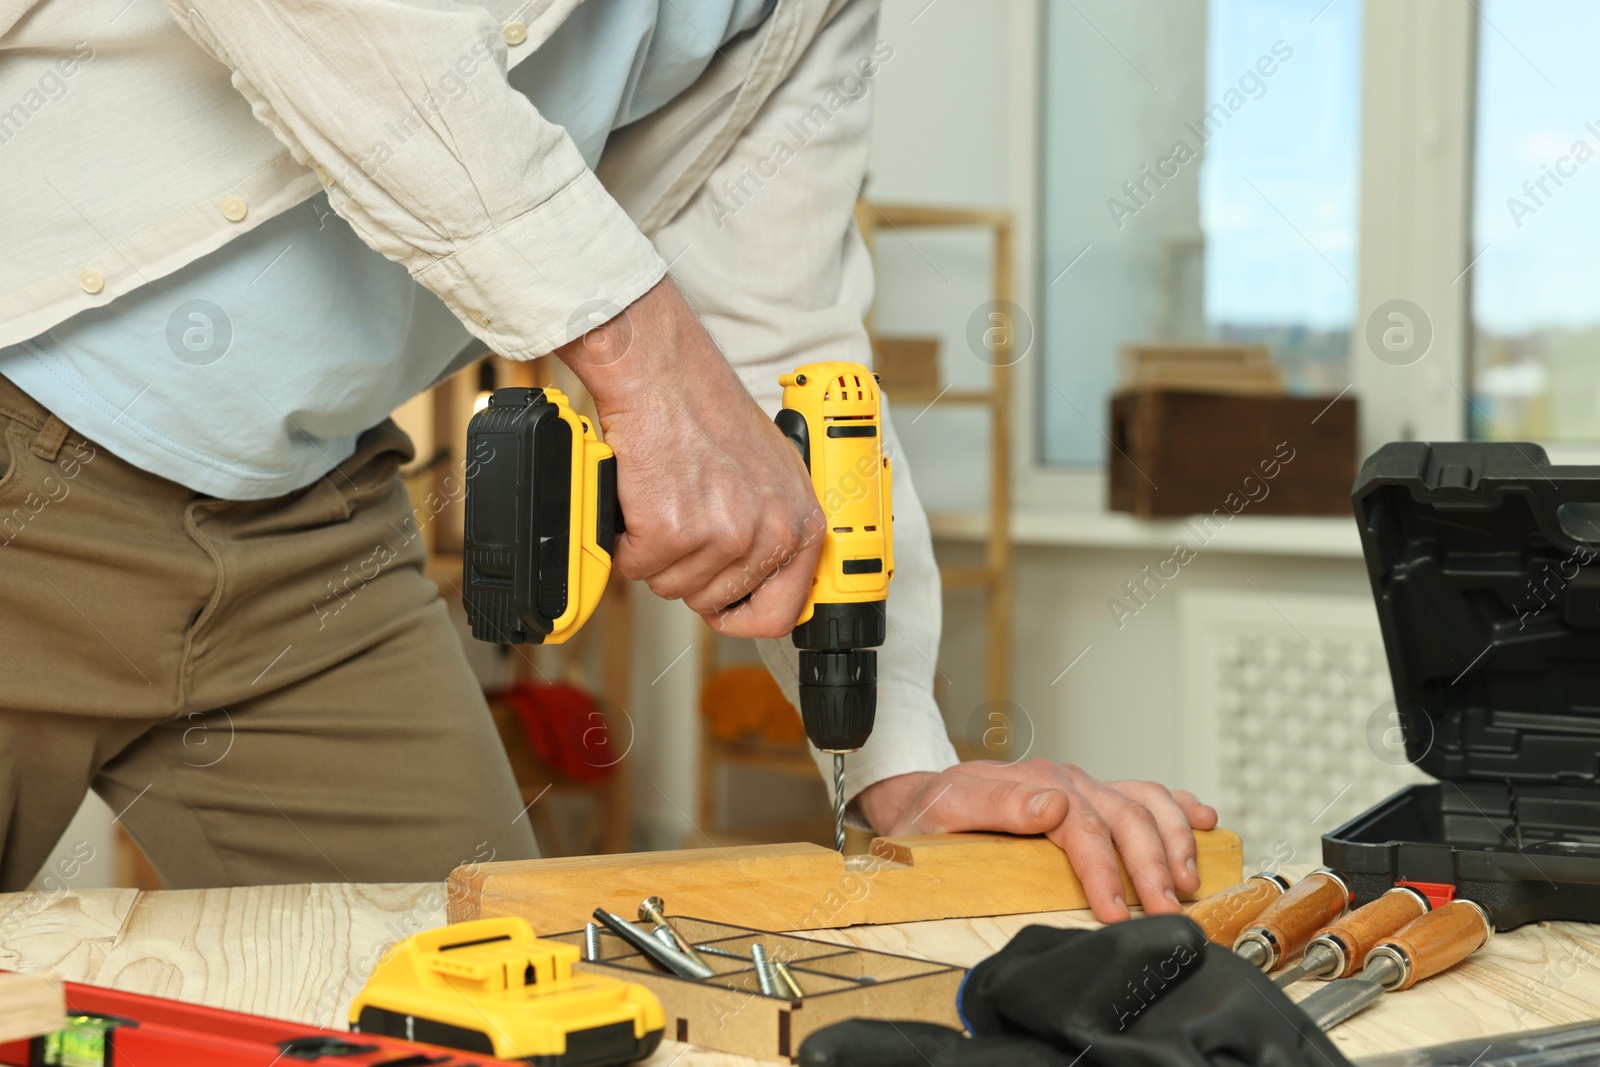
{"points": [[766, 977], [653, 910]]}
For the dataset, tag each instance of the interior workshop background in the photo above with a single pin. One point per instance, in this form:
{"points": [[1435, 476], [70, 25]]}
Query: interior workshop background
{"points": [[1379, 206]]}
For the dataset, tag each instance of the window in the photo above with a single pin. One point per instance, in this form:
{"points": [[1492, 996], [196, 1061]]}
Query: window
{"points": [[1535, 344], [1198, 180], [1278, 187]]}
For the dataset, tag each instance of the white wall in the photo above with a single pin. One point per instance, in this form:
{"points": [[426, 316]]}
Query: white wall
{"points": [[955, 126]]}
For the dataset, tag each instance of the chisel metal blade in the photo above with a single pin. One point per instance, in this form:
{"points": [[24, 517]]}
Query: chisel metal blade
{"points": [[1331, 1006], [1317, 960]]}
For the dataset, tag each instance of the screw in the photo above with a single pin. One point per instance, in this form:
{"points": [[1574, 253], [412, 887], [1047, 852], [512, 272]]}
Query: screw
{"points": [[653, 910], [786, 977], [669, 959], [713, 950], [765, 975], [591, 942]]}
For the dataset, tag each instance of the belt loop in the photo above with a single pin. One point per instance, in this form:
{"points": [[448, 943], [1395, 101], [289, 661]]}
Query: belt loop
{"points": [[51, 437]]}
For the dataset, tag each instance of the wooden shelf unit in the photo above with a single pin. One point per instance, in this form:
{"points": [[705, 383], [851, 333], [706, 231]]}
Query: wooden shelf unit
{"points": [[994, 576]]}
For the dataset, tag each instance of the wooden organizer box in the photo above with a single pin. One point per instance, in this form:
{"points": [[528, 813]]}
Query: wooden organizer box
{"points": [[808, 887], [729, 1013]]}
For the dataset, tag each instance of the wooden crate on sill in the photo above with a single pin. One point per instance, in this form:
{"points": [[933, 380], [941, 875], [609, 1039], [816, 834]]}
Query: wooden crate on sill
{"points": [[1176, 453]]}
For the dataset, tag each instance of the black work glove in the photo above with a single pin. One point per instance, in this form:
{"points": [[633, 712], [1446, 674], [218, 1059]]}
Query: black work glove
{"points": [[1145, 993]]}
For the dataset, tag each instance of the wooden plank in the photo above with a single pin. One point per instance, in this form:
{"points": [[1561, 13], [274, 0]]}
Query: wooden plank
{"points": [[806, 887], [30, 1005]]}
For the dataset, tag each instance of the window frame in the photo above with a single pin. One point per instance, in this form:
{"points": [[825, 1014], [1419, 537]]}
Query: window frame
{"points": [[1419, 86], [1418, 113]]}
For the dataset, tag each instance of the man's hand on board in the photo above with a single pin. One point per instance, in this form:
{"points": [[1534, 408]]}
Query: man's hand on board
{"points": [[1148, 825]]}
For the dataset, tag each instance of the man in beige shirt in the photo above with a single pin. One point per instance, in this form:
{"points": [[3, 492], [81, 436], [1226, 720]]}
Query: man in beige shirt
{"points": [[155, 600]]}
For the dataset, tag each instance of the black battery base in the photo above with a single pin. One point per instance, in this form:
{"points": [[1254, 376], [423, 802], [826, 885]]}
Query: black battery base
{"points": [[1528, 853]]}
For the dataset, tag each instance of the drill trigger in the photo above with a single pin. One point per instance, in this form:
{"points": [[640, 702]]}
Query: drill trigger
{"points": [[792, 425]]}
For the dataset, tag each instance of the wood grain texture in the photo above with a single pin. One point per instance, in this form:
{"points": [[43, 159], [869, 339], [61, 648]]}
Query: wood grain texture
{"points": [[1439, 940], [1308, 906], [30, 1005], [807, 887], [1363, 928], [1224, 915], [292, 951]]}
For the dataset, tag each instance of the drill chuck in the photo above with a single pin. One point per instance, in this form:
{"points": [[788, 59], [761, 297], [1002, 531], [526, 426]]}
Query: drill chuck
{"points": [[836, 626], [839, 697]]}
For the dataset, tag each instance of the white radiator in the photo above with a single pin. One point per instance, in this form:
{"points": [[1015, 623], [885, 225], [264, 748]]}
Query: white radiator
{"points": [[1288, 716]]}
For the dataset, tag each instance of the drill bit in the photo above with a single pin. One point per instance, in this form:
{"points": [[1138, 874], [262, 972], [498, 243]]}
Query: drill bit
{"points": [[838, 802]]}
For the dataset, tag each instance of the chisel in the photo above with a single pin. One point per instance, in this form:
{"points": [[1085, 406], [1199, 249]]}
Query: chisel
{"points": [[1424, 947], [1223, 915], [1337, 951], [1284, 928]]}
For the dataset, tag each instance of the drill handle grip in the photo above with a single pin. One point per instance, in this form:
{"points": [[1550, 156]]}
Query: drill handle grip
{"points": [[792, 425]]}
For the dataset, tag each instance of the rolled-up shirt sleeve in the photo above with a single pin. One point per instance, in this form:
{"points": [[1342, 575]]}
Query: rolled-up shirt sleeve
{"points": [[403, 109]]}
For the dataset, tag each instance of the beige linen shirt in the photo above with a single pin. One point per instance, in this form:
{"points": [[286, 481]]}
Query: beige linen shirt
{"points": [[400, 109]]}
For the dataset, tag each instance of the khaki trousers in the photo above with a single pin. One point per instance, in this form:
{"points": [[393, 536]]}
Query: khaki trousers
{"points": [[266, 691]]}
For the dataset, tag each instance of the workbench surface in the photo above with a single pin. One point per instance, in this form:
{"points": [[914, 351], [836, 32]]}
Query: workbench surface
{"points": [[301, 952]]}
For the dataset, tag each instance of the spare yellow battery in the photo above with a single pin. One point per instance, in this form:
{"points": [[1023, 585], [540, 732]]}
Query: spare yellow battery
{"points": [[491, 986]]}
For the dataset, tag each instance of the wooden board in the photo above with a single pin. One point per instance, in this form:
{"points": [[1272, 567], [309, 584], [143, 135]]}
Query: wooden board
{"points": [[807, 887], [30, 1005]]}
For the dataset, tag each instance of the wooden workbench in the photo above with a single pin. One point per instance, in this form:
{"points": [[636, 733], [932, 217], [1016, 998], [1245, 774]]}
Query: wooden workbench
{"points": [[301, 952]]}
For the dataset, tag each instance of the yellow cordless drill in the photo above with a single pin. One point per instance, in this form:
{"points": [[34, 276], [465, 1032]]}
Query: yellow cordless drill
{"points": [[542, 519], [832, 413]]}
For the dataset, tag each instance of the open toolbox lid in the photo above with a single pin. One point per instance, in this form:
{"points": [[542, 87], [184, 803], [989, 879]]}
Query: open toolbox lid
{"points": [[1485, 566]]}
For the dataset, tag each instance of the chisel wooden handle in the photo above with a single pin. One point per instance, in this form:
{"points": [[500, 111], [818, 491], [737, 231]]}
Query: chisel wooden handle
{"points": [[1437, 941], [1360, 932], [1224, 914], [1285, 927]]}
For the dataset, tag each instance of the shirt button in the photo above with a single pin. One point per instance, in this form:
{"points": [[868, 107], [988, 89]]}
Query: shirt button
{"points": [[91, 280], [478, 317], [324, 177], [514, 33], [234, 209]]}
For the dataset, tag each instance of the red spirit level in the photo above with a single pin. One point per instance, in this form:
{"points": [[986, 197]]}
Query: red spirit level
{"points": [[110, 1028]]}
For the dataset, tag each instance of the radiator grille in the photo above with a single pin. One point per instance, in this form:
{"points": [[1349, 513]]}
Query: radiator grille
{"points": [[1288, 713]]}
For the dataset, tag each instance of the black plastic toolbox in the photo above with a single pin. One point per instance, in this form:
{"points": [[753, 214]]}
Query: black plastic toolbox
{"points": [[1485, 564]]}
